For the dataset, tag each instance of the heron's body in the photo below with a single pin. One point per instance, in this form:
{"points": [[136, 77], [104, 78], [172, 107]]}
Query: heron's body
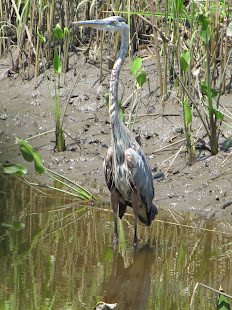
{"points": [[126, 169]]}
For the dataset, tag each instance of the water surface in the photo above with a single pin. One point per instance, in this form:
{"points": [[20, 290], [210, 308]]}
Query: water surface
{"points": [[56, 254]]}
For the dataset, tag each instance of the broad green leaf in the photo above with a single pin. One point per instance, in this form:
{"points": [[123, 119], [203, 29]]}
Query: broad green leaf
{"points": [[136, 65], [218, 114], [30, 155], [13, 225], [205, 32], [14, 169], [26, 149], [213, 93], [56, 63], [203, 21], [185, 60], [141, 78], [41, 36], [223, 303], [38, 163], [229, 30], [188, 113], [58, 32], [204, 90]]}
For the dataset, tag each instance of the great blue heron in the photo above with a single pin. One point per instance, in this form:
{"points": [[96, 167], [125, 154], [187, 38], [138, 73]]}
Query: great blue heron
{"points": [[127, 172]]}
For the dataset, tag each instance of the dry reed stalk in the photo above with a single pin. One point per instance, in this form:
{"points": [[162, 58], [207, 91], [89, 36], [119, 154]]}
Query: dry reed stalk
{"points": [[155, 37]]}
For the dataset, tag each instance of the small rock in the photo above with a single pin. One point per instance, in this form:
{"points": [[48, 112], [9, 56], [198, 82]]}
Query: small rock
{"points": [[3, 117]]}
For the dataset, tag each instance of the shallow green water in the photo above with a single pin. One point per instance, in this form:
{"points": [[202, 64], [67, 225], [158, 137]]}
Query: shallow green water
{"points": [[60, 256]]}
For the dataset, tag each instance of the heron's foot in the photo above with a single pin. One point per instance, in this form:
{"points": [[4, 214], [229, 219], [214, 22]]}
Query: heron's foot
{"points": [[115, 239]]}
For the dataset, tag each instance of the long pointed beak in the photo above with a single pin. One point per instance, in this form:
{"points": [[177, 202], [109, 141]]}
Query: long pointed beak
{"points": [[97, 24]]}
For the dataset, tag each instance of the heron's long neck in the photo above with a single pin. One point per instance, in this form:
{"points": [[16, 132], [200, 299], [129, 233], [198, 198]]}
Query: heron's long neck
{"points": [[113, 98]]}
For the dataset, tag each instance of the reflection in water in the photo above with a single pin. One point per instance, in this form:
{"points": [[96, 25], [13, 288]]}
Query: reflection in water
{"points": [[130, 286], [55, 257]]}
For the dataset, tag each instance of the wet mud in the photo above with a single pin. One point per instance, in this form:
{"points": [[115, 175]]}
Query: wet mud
{"points": [[26, 111]]}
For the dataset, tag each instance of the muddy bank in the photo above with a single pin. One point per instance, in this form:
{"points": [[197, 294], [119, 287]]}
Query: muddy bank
{"points": [[26, 111]]}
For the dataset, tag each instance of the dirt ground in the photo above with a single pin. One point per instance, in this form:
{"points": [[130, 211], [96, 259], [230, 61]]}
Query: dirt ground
{"points": [[26, 111]]}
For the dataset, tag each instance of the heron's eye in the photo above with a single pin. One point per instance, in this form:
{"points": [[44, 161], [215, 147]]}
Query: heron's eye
{"points": [[116, 22]]}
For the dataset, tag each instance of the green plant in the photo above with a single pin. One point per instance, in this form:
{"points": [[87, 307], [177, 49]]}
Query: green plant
{"points": [[205, 35], [120, 107], [140, 78], [32, 156], [58, 34], [187, 114]]}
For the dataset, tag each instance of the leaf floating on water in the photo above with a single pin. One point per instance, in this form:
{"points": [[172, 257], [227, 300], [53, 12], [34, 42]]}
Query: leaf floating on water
{"points": [[14, 169], [104, 306]]}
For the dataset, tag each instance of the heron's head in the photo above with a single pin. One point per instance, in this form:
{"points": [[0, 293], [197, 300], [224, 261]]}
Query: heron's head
{"points": [[113, 23]]}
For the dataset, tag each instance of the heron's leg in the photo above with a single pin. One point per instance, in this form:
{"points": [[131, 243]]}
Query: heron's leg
{"points": [[135, 199], [114, 203]]}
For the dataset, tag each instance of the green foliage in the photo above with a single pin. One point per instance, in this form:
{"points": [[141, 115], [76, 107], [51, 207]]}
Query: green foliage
{"points": [[30, 155], [57, 63], [205, 32], [188, 113], [66, 30], [120, 107], [136, 65], [204, 90], [185, 60], [14, 169], [179, 6], [13, 225], [58, 32], [41, 36], [218, 114], [107, 254], [227, 144], [141, 78], [223, 303]]}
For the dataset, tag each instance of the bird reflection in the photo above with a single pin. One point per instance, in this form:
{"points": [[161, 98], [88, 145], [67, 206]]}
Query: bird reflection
{"points": [[130, 287]]}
